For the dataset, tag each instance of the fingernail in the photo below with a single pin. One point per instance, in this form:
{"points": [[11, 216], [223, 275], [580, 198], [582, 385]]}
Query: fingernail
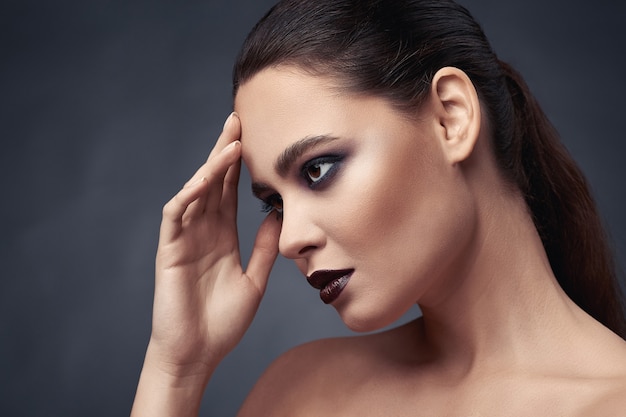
{"points": [[197, 182], [228, 120], [231, 146]]}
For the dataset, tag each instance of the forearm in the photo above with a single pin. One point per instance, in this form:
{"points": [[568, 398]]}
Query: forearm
{"points": [[162, 392]]}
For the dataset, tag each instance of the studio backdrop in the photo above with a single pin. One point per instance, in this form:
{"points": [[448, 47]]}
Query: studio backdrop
{"points": [[107, 107]]}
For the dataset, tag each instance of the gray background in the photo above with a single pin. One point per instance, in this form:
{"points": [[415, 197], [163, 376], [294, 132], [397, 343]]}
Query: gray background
{"points": [[107, 107]]}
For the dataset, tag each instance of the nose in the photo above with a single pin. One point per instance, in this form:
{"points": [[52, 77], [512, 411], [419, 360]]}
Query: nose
{"points": [[300, 234]]}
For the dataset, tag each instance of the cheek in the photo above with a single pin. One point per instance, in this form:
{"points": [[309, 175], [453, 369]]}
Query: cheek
{"points": [[374, 205], [407, 211]]}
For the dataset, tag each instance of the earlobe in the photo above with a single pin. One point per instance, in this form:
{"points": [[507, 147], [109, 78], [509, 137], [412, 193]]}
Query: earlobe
{"points": [[457, 110]]}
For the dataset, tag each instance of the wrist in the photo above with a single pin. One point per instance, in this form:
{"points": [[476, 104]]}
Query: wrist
{"points": [[177, 367], [167, 389]]}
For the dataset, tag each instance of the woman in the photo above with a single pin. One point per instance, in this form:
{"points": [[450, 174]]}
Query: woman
{"points": [[401, 162]]}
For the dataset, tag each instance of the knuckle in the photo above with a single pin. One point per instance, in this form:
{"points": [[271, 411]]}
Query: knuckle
{"points": [[170, 209]]}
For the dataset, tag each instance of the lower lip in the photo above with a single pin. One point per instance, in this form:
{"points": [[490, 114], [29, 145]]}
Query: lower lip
{"points": [[333, 289]]}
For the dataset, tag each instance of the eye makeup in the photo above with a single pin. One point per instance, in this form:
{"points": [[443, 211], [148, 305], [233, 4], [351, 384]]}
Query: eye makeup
{"points": [[325, 167], [316, 173], [273, 202]]}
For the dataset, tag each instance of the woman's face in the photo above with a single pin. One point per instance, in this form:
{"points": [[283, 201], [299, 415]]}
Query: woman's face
{"points": [[364, 191]]}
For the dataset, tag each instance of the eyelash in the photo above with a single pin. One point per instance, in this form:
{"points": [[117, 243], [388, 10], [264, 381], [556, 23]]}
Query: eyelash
{"points": [[275, 201], [327, 159]]}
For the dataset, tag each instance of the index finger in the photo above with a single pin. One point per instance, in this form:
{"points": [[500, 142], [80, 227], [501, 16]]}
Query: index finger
{"points": [[230, 133]]}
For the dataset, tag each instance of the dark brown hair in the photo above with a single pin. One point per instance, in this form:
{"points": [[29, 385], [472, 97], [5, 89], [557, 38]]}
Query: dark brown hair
{"points": [[392, 49]]}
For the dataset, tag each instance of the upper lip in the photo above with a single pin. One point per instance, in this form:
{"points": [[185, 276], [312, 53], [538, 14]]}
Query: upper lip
{"points": [[319, 279]]}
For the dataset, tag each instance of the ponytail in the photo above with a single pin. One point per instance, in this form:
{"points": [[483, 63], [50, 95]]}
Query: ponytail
{"points": [[563, 210]]}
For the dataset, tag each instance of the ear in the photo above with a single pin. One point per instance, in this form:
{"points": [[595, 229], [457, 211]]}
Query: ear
{"points": [[457, 112]]}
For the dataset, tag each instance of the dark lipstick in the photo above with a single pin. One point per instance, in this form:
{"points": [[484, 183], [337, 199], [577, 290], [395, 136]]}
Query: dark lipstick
{"points": [[330, 282]]}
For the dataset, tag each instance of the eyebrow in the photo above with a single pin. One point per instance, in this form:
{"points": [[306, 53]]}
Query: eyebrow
{"points": [[288, 157]]}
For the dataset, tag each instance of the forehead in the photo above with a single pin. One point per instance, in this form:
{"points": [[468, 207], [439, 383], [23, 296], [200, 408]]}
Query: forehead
{"points": [[279, 106]]}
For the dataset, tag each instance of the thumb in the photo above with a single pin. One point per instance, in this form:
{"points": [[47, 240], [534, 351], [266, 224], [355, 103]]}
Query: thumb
{"points": [[264, 252]]}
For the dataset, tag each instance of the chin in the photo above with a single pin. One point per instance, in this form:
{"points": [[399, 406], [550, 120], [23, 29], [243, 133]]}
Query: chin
{"points": [[364, 320]]}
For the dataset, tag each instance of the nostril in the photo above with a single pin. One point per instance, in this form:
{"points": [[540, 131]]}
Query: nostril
{"points": [[305, 249]]}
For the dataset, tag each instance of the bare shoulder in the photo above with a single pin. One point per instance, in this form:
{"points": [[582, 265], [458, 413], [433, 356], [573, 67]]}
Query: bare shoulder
{"points": [[609, 393], [611, 401], [614, 402], [299, 376], [309, 379]]}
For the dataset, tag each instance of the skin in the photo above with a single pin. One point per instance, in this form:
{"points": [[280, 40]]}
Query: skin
{"points": [[415, 204], [365, 216]]}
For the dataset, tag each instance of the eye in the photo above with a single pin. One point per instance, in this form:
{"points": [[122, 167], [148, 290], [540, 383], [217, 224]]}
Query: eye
{"points": [[273, 202], [318, 170]]}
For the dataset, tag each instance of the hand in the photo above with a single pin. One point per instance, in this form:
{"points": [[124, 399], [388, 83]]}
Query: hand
{"points": [[204, 301]]}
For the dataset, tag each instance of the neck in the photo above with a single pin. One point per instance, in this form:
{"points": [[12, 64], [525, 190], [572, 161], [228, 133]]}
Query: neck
{"points": [[503, 305]]}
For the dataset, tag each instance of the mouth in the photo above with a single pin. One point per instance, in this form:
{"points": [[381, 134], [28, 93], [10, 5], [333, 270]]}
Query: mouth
{"points": [[330, 282]]}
